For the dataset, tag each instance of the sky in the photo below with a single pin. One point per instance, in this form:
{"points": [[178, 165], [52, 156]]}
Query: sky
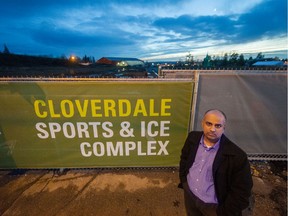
{"points": [[151, 30]]}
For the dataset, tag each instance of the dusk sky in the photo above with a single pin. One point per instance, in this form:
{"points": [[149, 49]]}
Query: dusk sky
{"points": [[145, 29]]}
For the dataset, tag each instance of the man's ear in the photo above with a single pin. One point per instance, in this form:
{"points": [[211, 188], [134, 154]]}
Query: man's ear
{"points": [[202, 123]]}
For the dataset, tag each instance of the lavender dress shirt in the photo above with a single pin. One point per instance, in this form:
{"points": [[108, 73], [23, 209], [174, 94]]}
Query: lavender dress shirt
{"points": [[200, 177]]}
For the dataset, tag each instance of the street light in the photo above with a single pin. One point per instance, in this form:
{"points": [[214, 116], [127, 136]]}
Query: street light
{"points": [[72, 58]]}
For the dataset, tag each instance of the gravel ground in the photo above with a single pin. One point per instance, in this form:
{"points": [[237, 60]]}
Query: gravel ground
{"points": [[270, 188], [117, 192]]}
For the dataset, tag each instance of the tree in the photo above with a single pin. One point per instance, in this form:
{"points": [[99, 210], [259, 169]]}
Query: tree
{"points": [[85, 59], [260, 56], [63, 56], [6, 50], [207, 61], [190, 59], [225, 60], [241, 61], [233, 59]]}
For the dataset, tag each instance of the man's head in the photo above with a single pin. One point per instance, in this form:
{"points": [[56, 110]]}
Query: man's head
{"points": [[213, 125]]}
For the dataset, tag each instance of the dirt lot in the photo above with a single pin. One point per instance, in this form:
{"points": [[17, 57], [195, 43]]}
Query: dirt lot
{"points": [[270, 188], [123, 191]]}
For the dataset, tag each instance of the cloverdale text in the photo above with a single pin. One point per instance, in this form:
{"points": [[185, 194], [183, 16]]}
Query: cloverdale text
{"points": [[117, 137]]}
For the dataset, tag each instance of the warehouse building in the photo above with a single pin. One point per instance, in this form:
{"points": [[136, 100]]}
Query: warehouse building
{"points": [[122, 62]]}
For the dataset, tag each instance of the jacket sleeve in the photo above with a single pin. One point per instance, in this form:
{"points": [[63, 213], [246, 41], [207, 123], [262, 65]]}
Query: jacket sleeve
{"points": [[239, 190], [184, 163]]}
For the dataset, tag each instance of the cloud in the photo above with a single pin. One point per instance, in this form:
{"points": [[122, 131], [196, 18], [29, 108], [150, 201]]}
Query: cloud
{"points": [[266, 20], [211, 26], [140, 28], [51, 35]]}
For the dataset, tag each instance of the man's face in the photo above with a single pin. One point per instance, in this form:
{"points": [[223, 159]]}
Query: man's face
{"points": [[213, 125]]}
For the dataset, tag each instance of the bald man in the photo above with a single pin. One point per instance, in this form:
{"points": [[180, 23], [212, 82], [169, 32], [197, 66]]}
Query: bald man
{"points": [[214, 172]]}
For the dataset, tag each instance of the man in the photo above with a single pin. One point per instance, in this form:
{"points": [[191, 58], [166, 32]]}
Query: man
{"points": [[214, 172]]}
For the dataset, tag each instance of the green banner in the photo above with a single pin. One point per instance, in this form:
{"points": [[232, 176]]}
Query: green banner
{"points": [[76, 124]]}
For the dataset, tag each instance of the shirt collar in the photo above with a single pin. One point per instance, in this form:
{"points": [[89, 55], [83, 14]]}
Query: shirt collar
{"points": [[216, 146]]}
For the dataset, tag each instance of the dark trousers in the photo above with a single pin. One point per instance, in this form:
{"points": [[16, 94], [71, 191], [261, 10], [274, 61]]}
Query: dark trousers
{"points": [[196, 207]]}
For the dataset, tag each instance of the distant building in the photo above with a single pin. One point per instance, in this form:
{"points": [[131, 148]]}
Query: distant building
{"points": [[118, 61], [268, 63]]}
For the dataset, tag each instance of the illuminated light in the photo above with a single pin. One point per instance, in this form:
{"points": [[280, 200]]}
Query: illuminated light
{"points": [[72, 58]]}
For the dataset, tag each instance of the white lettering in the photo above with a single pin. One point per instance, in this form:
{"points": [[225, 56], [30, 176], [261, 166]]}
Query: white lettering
{"points": [[139, 149], [100, 149], [69, 130], [163, 148], [164, 128], [153, 128], [82, 149], [151, 145], [108, 132], [43, 133], [82, 128], [129, 146], [54, 128], [118, 150], [77, 130]]}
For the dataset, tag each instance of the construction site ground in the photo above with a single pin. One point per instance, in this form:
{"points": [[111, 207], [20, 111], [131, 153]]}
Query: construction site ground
{"points": [[122, 192]]}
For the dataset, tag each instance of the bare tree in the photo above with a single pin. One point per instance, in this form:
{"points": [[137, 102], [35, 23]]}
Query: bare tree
{"points": [[6, 50]]}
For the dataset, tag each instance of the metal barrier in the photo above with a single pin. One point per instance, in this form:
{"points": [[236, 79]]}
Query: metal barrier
{"points": [[201, 79], [254, 100]]}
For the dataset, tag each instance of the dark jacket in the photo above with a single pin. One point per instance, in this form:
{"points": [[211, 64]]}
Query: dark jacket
{"points": [[231, 173]]}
